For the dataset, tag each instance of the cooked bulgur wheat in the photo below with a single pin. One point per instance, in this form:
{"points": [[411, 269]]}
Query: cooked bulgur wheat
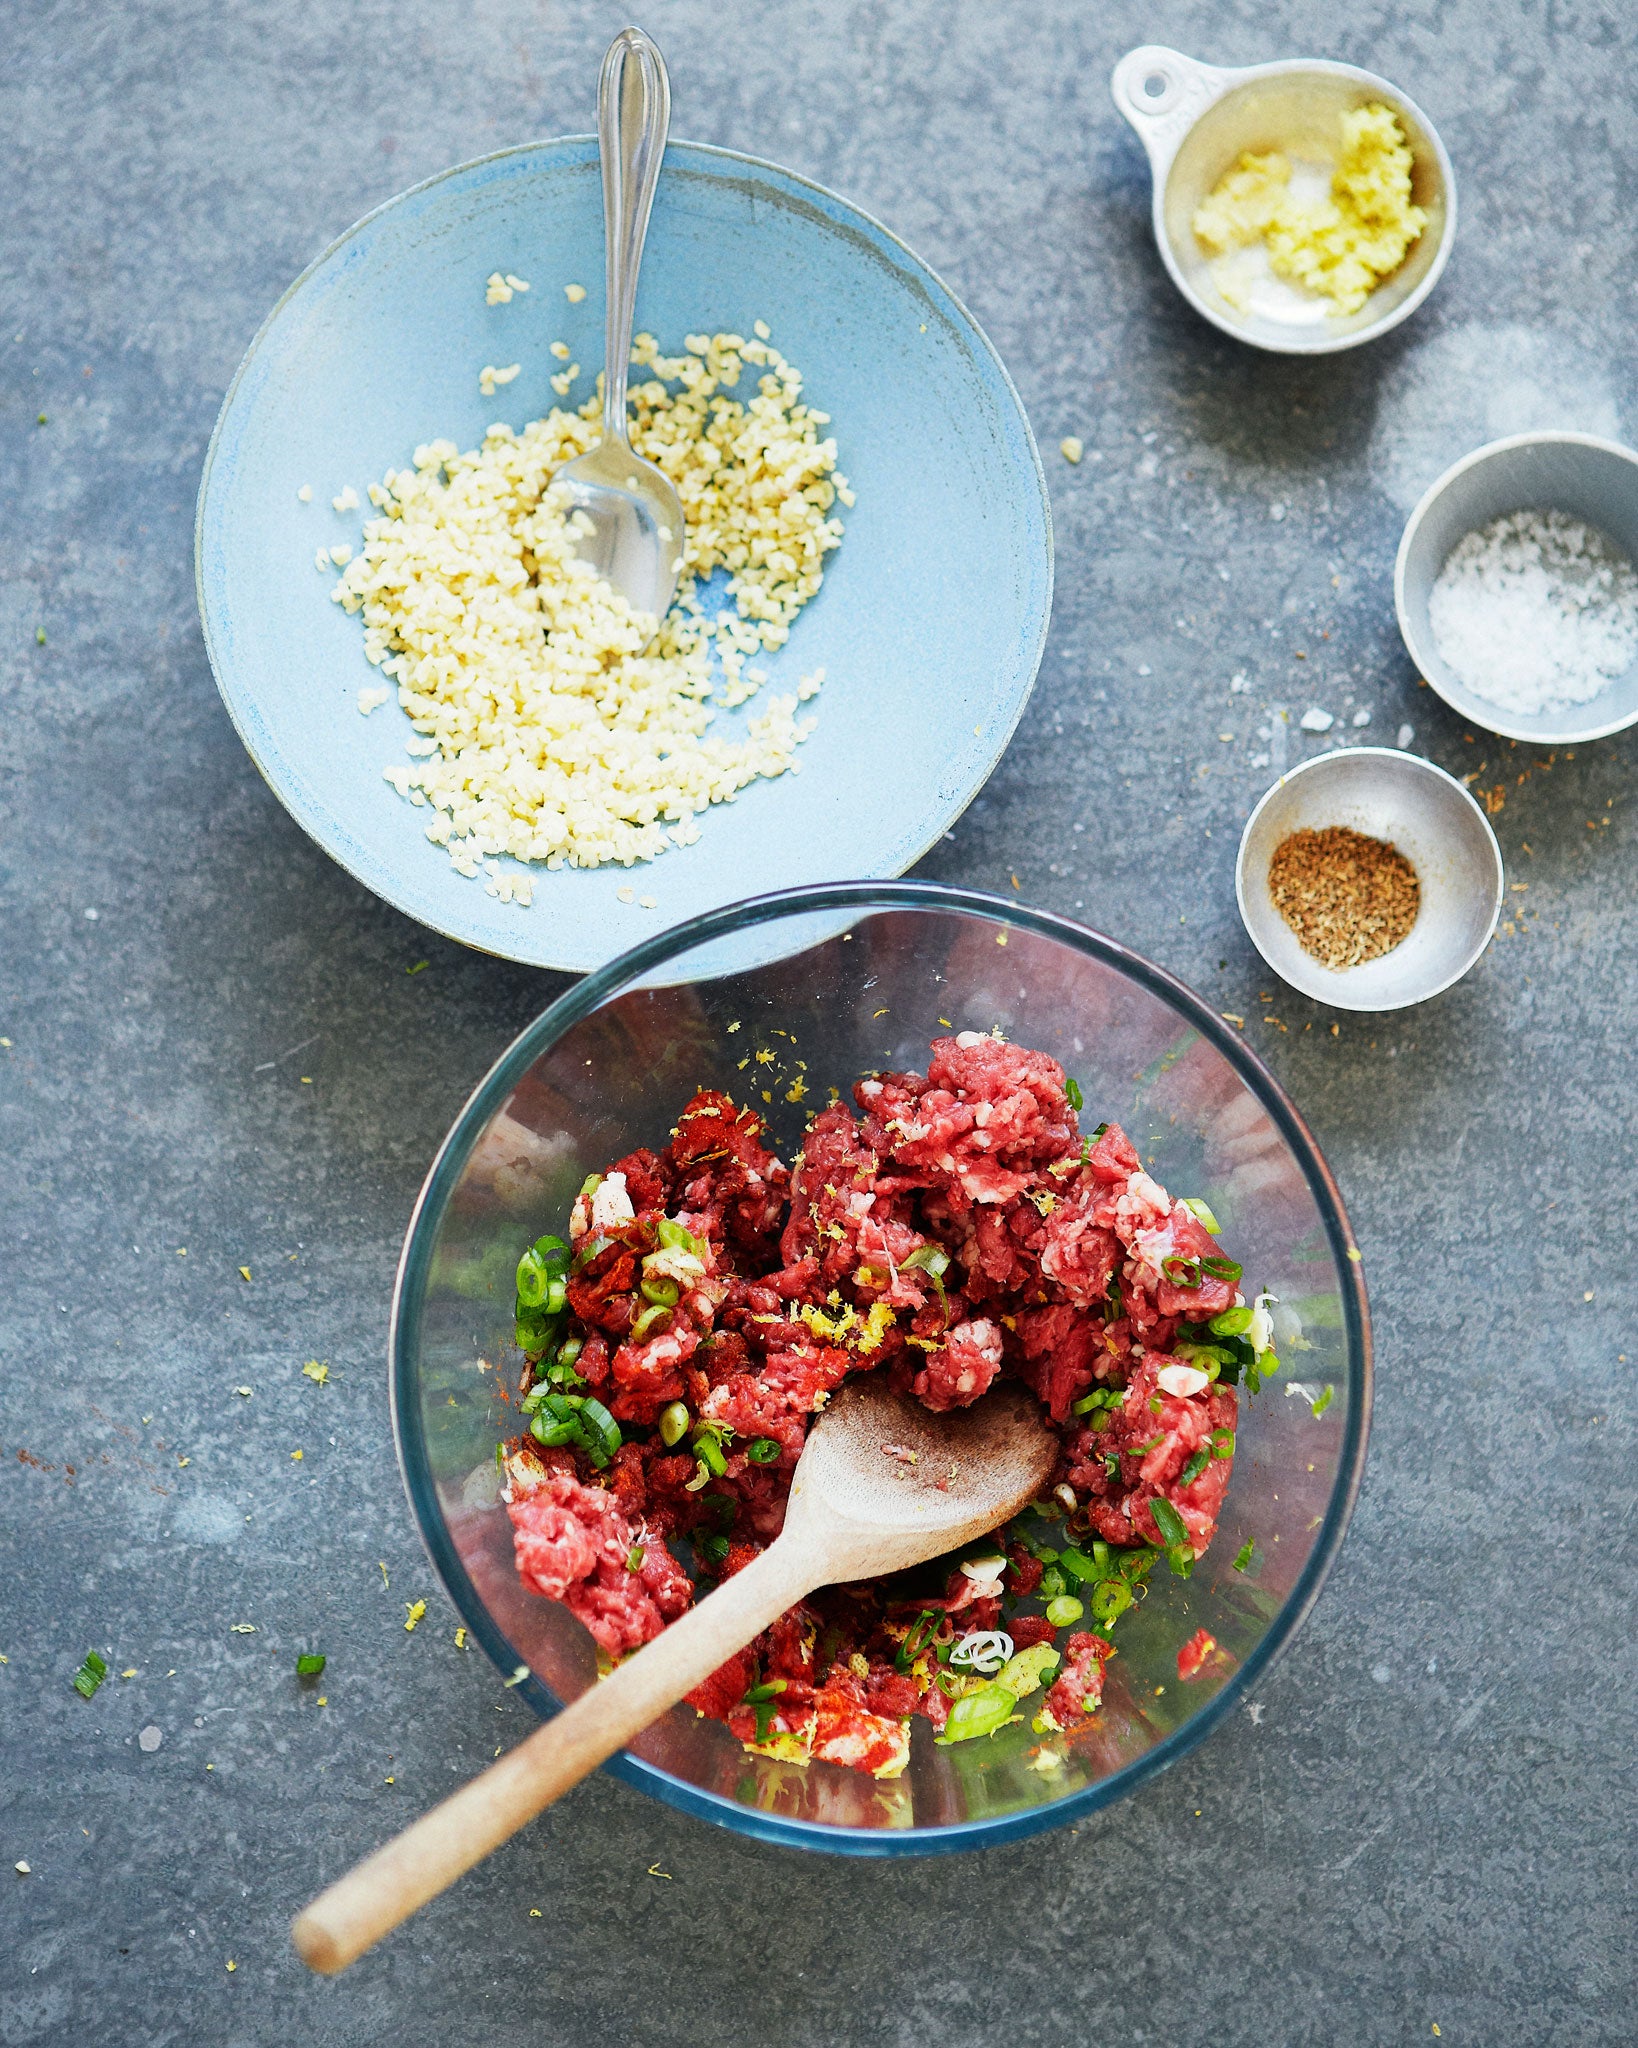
{"points": [[547, 733]]}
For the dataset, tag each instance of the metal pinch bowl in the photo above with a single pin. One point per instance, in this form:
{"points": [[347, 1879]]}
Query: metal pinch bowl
{"points": [[1194, 120], [1579, 474], [1435, 824]]}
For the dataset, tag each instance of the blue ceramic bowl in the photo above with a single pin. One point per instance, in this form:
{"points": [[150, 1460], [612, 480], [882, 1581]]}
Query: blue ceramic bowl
{"points": [[932, 617], [851, 978]]}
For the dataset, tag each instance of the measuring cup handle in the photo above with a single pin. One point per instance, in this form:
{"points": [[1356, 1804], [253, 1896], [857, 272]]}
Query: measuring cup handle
{"points": [[1162, 94]]}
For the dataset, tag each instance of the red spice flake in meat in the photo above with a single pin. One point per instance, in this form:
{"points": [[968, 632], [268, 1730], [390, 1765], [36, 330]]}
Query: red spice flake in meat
{"points": [[957, 1229]]}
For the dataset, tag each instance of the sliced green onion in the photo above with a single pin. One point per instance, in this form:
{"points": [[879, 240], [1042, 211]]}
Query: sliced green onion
{"points": [[1168, 1521], [1100, 1397], [1064, 1611], [548, 1430], [1222, 1443], [1263, 1367], [713, 1547], [1196, 1465], [534, 1332], [769, 1689], [1072, 1092], [762, 1450], [309, 1664], [677, 1237], [90, 1675], [674, 1421], [1324, 1402], [978, 1713], [1053, 1583], [557, 1295], [533, 1280], [1202, 1211], [918, 1636], [1098, 1133], [1233, 1322], [1110, 1600], [1080, 1566], [634, 1558], [708, 1449], [646, 1321], [1243, 1557], [1181, 1272], [570, 1349], [1222, 1269], [600, 1432], [660, 1290], [590, 1185]]}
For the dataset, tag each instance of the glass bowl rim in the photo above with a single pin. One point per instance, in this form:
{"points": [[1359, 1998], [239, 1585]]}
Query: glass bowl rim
{"points": [[863, 898]]}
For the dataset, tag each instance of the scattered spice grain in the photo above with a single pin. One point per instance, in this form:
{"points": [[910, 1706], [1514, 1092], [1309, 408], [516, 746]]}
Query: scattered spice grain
{"points": [[1349, 898]]}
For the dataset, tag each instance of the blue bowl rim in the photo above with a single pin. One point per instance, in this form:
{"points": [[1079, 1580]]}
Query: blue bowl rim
{"points": [[824, 199], [866, 897]]}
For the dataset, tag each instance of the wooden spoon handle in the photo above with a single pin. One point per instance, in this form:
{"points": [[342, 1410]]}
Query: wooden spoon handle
{"points": [[386, 1888]]}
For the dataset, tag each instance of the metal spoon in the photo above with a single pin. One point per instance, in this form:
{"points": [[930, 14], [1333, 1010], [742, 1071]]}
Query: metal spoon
{"points": [[635, 539], [882, 1484]]}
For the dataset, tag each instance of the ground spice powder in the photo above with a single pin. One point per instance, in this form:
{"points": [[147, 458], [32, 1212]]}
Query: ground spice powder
{"points": [[1348, 898]]}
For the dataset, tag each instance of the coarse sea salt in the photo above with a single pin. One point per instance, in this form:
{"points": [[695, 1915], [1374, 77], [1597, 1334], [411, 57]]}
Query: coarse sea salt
{"points": [[1535, 610]]}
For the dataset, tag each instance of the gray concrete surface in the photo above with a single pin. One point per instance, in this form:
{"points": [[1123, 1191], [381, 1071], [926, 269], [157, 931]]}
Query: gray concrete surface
{"points": [[211, 1043]]}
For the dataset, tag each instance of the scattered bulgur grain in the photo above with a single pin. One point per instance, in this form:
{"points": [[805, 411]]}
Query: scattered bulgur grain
{"points": [[574, 293], [305, 494], [1071, 448], [345, 500], [1349, 898]]}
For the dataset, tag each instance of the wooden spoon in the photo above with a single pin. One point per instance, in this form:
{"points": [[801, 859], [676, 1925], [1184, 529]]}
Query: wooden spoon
{"points": [[882, 1484]]}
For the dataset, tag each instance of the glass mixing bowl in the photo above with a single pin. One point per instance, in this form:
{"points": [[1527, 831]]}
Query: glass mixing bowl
{"points": [[777, 1001]]}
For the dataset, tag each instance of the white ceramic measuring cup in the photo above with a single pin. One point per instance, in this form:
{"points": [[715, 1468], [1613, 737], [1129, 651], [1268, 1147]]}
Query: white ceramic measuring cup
{"points": [[1194, 120]]}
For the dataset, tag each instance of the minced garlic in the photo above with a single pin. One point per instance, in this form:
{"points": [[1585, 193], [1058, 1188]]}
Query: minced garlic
{"points": [[1339, 245]]}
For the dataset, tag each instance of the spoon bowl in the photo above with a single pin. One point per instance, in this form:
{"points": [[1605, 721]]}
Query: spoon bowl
{"points": [[629, 516], [633, 535]]}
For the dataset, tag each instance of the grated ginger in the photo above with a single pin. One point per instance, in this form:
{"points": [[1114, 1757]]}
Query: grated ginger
{"points": [[1340, 246]]}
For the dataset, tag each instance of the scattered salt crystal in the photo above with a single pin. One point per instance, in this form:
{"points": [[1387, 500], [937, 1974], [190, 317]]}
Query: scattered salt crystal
{"points": [[1144, 669], [648, 902], [1315, 720], [1276, 511], [1405, 735], [1239, 682], [1362, 718], [1535, 610]]}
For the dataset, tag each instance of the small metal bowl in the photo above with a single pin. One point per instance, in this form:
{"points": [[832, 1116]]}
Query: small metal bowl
{"points": [[1195, 119], [1440, 830], [1578, 474]]}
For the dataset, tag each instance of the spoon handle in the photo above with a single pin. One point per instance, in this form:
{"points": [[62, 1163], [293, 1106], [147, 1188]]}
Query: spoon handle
{"points": [[402, 1875], [633, 117]]}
